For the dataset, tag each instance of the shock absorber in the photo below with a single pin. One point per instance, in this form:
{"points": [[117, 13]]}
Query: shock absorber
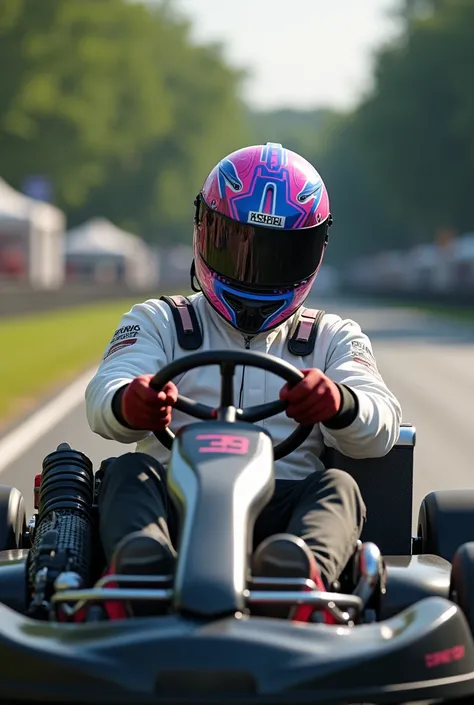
{"points": [[63, 530]]}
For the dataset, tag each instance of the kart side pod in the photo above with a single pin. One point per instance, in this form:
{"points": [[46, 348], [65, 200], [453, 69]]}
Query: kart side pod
{"points": [[217, 478]]}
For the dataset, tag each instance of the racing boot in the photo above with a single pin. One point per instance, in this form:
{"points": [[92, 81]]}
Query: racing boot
{"points": [[146, 552], [286, 556]]}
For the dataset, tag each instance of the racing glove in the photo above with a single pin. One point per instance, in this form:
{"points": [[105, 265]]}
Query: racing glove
{"points": [[317, 399], [138, 406]]}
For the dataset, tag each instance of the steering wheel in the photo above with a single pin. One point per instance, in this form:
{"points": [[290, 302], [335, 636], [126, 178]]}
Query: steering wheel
{"points": [[228, 360]]}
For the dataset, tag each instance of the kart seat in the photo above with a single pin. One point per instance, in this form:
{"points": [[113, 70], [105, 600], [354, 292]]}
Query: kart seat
{"points": [[386, 485]]}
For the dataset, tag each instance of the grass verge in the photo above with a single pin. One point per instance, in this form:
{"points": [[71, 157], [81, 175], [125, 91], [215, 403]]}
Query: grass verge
{"points": [[42, 352]]}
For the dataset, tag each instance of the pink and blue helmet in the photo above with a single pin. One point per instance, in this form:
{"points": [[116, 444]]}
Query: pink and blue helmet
{"points": [[260, 233]]}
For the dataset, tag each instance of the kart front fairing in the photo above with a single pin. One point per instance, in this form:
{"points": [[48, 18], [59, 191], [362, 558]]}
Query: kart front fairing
{"points": [[425, 652]]}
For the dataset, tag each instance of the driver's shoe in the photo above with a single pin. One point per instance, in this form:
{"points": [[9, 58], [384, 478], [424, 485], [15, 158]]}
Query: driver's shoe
{"points": [[286, 556], [145, 552]]}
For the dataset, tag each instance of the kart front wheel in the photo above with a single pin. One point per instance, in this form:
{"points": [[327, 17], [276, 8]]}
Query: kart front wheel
{"points": [[445, 522], [462, 581], [12, 518]]}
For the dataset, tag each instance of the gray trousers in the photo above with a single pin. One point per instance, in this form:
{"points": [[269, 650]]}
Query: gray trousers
{"points": [[325, 509]]}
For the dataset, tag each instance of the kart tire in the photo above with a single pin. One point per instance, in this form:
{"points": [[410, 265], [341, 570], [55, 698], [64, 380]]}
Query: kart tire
{"points": [[462, 581], [445, 522], [12, 518]]}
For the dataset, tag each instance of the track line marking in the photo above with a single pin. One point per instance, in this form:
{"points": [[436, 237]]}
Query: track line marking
{"points": [[18, 441]]}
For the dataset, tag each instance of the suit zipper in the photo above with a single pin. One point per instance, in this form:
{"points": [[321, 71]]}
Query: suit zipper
{"points": [[247, 340]]}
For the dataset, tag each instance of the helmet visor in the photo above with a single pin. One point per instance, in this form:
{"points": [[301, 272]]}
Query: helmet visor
{"points": [[258, 255]]}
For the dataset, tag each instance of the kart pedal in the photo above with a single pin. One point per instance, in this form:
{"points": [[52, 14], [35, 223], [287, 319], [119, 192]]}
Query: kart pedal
{"points": [[372, 576]]}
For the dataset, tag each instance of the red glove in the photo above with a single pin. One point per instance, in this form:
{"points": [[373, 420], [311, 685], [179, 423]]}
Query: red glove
{"points": [[143, 408], [313, 400]]}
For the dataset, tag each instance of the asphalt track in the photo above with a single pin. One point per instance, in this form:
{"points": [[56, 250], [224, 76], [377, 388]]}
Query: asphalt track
{"points": [[427, 361]]}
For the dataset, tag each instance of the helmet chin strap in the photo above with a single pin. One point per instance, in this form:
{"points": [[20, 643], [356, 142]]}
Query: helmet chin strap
{"points": [[194, 280]]}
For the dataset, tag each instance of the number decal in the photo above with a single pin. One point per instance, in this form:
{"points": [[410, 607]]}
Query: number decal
{"points": [[224, 443]]}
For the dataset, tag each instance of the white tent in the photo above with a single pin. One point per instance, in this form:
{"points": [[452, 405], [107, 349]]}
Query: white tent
{"points": [[31, 239], [462, 263], [463, 249], [390, 270], [100, 250], [427, 268]]}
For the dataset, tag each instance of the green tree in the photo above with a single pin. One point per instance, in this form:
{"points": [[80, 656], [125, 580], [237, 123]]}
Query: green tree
{"points": [[77, 90], [362, 221], [417, 128], [401, 166], [154, 191], [116, 104]]}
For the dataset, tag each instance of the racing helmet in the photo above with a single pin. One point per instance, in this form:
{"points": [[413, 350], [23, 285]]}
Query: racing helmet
{"points": [[260, 232]]}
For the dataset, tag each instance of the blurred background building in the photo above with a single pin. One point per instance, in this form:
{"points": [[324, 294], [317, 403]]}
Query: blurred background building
{"points": [[99, 252], [31, 240]]}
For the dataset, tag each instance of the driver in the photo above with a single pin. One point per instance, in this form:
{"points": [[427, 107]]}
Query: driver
{"points": [[260, 233]]}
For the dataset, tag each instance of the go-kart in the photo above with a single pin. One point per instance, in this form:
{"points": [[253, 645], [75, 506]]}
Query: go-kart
{"points": [[398, 634]]}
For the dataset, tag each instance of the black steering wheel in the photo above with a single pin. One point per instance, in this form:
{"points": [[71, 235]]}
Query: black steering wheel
{"points": [[228, 360]]}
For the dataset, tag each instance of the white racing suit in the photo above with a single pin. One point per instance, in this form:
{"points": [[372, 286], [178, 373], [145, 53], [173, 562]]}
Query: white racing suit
{"points": [[322, 506]]}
